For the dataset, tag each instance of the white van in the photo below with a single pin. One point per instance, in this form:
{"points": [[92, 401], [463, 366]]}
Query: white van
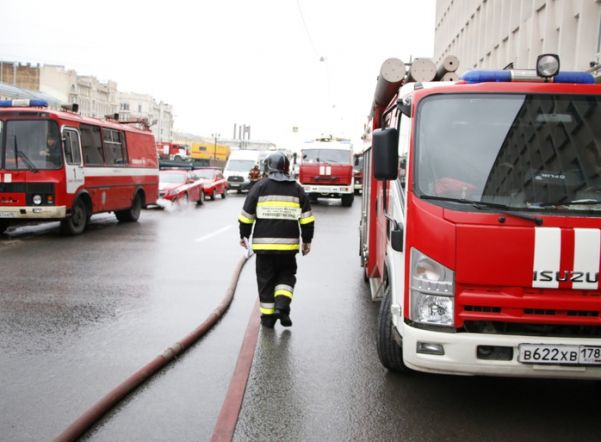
{"points": [[238, 166]]}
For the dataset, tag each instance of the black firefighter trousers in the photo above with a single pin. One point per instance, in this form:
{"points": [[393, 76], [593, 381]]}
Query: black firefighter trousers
{"points": [[276, 276]]}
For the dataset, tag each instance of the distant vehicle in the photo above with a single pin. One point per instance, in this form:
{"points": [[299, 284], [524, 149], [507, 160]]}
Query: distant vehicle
{"points": [[212, 180], [326, 169], [58, 165], [211, 154], [173, 151], [180, 187], [238, 166]]}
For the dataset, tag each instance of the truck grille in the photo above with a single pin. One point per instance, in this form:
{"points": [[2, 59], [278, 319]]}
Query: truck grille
{"points": [[528, 329]]}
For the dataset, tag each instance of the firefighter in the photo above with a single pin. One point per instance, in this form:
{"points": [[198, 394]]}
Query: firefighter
{"points": [[254, 175], [276, 206]]}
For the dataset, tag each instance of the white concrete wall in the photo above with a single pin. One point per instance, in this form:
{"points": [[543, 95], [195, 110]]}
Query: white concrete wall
{"points": [[491, 34]]}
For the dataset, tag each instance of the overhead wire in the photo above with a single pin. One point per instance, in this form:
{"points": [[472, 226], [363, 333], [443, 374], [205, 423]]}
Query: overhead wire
{"points": [[330, 105]]}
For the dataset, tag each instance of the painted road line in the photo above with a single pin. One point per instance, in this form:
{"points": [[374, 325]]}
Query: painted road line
{"points": [[215, 233]]}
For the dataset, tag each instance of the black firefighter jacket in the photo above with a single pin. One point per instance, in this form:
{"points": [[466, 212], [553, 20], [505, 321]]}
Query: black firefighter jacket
{"points": [[277, 209]]}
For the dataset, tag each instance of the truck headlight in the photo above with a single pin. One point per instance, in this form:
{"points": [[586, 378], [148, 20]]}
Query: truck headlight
{"points": [[432, 291], [37, 200]]}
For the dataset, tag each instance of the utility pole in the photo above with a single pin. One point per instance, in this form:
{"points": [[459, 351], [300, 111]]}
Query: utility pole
{"points": [[215, 136]]}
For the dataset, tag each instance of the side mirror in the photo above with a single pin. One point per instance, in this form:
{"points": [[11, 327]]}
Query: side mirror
{"points": [[386, 153]]}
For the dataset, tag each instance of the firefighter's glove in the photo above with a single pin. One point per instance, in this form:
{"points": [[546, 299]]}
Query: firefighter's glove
{"points": [[306, 248]]}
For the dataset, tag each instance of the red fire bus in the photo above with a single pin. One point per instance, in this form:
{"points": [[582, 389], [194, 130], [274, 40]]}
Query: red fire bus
{"points": [[61, 166]]}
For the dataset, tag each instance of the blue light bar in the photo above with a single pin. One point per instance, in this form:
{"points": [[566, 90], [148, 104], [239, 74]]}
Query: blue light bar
{"points": [[482, 76], [485, 76], [574, 77], [23, 102]]}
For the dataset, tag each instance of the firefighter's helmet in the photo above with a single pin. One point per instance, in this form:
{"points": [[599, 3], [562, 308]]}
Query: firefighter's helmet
{"points": [[277, 166]]}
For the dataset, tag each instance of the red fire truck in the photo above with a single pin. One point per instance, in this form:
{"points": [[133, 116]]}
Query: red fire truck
{"points": [[482, 222], [326, 169], [58, 165], [173, 151]]}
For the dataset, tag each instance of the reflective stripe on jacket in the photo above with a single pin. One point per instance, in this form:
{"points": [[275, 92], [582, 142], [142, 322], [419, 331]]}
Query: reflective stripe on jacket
{"points": [[275, 212]]}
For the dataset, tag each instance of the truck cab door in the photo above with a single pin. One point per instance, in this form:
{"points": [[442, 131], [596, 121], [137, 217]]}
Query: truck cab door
{"points": [[73, 165]]}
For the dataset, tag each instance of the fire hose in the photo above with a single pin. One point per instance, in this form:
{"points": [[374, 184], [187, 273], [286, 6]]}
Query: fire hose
{"points": [[104, 405]]}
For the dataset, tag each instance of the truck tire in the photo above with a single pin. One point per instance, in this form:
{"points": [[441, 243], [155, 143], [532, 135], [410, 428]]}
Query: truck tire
{"points": [[347, 200], [77, 222], [133, 213], [389, 352], [3, 226]]}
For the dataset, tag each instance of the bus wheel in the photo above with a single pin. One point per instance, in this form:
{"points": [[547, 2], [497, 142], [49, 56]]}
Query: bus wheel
{"points": [[347, 200], [389, 352], [77, 222], [133, 213]]}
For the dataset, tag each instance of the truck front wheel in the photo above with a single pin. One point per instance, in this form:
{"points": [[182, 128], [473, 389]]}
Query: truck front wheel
{"points": [[389, 352]]}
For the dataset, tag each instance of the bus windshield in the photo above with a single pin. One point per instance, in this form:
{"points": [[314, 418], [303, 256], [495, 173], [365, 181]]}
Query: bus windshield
{"points": [[30, 145], [522, 151], [331, 156]]}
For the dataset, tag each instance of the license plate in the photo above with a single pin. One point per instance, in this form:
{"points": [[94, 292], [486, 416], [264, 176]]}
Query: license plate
{"points": [[559, 354], [7, 215]]}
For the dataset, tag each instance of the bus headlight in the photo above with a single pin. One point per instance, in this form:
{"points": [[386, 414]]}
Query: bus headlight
{"points": [[432, 291], [37, 200]]}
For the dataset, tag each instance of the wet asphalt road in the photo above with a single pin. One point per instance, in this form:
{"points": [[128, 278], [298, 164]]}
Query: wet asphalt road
{"points": [[79, 315]]}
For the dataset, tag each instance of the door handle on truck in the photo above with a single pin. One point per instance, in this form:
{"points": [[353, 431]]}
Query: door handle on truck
{"points": [[396, 234]]}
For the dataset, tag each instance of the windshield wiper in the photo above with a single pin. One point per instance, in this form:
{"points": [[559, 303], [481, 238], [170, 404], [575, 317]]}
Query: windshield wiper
{"points": [[501, 208], [27, 161]]}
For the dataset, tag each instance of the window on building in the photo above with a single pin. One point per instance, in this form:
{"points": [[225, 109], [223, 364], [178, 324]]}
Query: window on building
{"points": [[91, 143], [599, 39], [125, 106], [139, 108], [114, 149]]}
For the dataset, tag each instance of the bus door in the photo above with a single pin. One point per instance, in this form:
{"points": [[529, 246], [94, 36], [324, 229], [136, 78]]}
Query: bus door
{"points": [[73, 165]]}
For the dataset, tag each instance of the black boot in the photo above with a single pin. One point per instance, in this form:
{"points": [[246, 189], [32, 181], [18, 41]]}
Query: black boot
{"points": [[268, 321], [284, 317]]}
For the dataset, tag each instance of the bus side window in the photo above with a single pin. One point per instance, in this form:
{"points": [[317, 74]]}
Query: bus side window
{"points": [[72, 151], [91, 144], [114, 150]]}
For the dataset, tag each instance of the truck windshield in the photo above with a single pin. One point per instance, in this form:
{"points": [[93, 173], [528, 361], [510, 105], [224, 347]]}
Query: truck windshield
{"points": [[31, 145], [331, 156], [526, 152]]}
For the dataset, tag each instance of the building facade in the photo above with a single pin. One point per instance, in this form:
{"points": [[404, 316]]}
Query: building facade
{"points": [[94, 97], [134, 106], [492, 34]]}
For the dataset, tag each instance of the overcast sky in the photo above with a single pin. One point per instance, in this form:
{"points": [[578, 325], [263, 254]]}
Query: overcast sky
{"points": [[221, 62]]}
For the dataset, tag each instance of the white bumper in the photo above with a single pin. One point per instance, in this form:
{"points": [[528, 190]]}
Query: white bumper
{"points": [[460, 355], [33, 212], [312, 188]]}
